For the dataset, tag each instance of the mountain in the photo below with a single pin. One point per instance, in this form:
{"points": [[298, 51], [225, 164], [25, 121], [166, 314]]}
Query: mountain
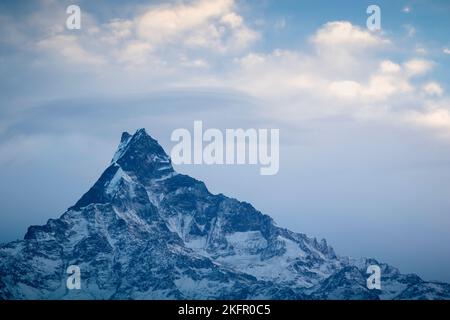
{"points": [[144, 231]]}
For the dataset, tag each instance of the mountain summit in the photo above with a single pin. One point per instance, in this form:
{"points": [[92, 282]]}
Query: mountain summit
{"points": [[144, 231]]}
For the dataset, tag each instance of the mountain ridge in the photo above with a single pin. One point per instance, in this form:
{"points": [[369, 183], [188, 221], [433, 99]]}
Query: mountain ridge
{"points": [[144, 231]]}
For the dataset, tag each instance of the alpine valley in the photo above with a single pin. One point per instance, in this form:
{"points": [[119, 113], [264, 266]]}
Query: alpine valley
{"points": [[144, 231]]}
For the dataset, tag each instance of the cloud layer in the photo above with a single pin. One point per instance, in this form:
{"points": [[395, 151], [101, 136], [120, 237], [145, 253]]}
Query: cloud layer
{"points": [[346, 70]]}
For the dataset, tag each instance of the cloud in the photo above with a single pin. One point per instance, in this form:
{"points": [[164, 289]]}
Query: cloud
{"points": [[417, 67], [197, 63], [340, 45], [69, 48], [233, 20], [159, 35], [388, 66], [343, 34], [354, 78], [446, 51], [438, 118], [379, 87], [345, 70], [167, 22], [135, 53], [279, 73], [116, 30], [435, 119], [341, 77], [386, 81], [433, 89], [202, 24]]}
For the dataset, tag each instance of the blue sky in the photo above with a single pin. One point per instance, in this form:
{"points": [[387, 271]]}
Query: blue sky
{"points": [[364, 117]]}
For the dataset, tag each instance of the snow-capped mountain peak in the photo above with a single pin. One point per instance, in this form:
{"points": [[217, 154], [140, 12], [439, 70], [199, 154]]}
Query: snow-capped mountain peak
{"points": [[142, 154], [144, 231]]}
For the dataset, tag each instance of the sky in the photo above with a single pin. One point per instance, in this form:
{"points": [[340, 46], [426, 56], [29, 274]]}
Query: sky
{"points": [[364, 116]]}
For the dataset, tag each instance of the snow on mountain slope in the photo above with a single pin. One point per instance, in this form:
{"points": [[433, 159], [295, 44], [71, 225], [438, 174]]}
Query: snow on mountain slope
{"points": [[143, 231]]}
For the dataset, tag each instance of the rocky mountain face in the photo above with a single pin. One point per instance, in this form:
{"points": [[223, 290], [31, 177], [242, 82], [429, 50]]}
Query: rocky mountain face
{"points": [[143, 231]]}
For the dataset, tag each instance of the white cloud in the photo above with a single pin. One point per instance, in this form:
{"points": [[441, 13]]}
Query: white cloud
{"points": [[433, 89], [446, 50], [343, 34], [435, 119], [346, 89], [197, 63], [160, 33], [233, 20], [387, 66], [290, 73], [135, 53], [362, 86], [345, 71], [212, 24], [69, 48], [115, 31], [345, 48], [381, 85], [251, 60], [163, 24], [416, 67], [434, 115]]}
